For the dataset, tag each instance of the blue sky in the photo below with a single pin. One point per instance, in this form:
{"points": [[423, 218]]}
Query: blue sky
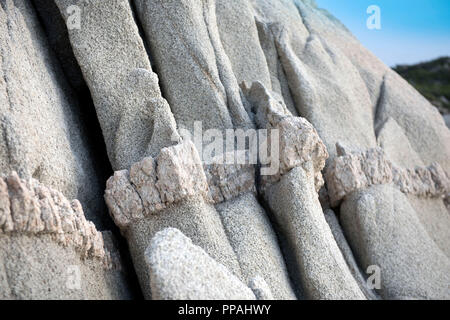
{"points": [[411, 30]]}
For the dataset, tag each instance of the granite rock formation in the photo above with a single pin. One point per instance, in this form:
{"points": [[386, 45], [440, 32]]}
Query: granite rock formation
{"points": [[167, 97]]}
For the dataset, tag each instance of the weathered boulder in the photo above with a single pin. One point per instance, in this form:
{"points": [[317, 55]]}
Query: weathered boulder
{"points": [[295, 206], [322, 269], [41, 133], [354, 171], [195, 72], [180, 270], [124, 89], [247, 226], [256, 245], [48, 250], [384, 231], [323, 83], [213, 229], [144, 201]]}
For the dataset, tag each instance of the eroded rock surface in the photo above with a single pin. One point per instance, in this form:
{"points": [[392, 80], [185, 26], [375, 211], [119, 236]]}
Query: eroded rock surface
{"points": [[41, 132], [384, 230], [213, 229], [179, 270], [360, 170], [49, 250]]}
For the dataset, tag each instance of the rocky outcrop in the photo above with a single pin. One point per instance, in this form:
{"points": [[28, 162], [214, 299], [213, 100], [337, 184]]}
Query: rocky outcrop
{"points": [[27, 207], [297, 140], [194, 69], [295, 204], [181, 270], [41, 133], [351, 172], [228, 181], [330, 122], [153, 185], [44, 239], [384, 230], [124, 89], [256, 246], [419, 120], [145, 201]]}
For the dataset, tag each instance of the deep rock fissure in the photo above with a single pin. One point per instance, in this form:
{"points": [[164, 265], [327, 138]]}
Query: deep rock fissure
{"points": [[93, 132]]}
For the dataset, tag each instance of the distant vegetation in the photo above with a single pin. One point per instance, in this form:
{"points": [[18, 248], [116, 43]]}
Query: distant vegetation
{"points": [[431, 79]]}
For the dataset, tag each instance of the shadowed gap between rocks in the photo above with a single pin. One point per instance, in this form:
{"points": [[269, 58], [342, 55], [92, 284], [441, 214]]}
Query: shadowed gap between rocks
{"points": [[286, 248], [147, 46], [378, 123], [51, 21]]}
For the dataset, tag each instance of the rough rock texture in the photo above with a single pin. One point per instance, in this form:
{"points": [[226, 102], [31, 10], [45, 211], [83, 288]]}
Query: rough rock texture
{"points": [[175, 195], [383, 230], [180, 270], [195, 72], [324, 83], [298, 141], [125, 91], [432, 212], [151, 68], [420, 121], [227, 181], [255, 243], [27, 207], [320, 265], [41, 135], [152, 185], [260, 289], [43, 238], [396, 146], [346, 251], [351, 172]]}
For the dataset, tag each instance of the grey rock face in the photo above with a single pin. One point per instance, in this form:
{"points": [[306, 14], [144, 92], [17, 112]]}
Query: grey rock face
{"points": [[48, 250], [243, 48], [432, 212], [346, 251], [318, 73], [420, 121], [41, 135], [260, 289], [352, 172], [298, 141], [228, 181], [175, 195], [194, 69], [181, 270], [152, 185], [125, 91], [207, 229], [383, 230], [256, 246], [321, 266]]}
